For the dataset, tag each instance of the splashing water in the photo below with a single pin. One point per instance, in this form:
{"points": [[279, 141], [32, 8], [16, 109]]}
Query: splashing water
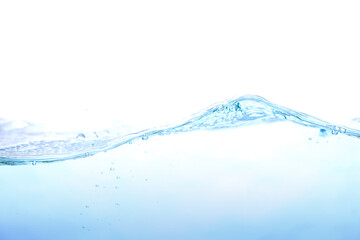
{"points": [[24, 143]]}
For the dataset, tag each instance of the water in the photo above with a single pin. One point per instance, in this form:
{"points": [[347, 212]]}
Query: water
{"points": [[23, 142], [284, 175]]}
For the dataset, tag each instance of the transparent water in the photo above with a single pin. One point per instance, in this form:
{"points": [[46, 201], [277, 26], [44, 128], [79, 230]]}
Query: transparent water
{"points": [[284, 175]]}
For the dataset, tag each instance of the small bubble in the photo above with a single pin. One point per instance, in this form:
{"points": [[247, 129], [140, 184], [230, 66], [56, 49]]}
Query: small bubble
{"points": [[335, 130], [146, 179], [145, 137], [33, 163], [97, 185], [80, 135], [117, 204], [310, 139], [87, 206], [117, 177], [116, 187], [323, 132], [112, 169], [342, 130]]}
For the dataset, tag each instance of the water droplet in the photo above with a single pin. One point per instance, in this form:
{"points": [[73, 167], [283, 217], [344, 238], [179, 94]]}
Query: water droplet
{"points": [[112, 169], [145, 137], [80, 136]]}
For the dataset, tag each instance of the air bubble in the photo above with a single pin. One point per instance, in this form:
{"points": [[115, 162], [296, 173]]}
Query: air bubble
{"points": [[33, 163], [323, 132], [342, 130], [112, 169], [335, 130], [145, 137]]}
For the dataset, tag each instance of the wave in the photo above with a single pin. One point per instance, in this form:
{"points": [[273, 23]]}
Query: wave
{"points": [[25, 143]]}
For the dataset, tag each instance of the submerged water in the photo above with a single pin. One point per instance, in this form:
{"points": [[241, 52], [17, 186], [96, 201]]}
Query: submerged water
{"points": [[296, 178]]}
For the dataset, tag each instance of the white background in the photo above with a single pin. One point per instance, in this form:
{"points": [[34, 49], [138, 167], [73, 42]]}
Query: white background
{"points": [[147, 60]]}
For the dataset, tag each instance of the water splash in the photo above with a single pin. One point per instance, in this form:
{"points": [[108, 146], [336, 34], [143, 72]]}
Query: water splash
{"points": [[23, 143]]}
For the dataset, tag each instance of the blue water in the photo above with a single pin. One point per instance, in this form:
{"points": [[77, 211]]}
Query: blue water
{"points": [[27, 143], [284, 175]]}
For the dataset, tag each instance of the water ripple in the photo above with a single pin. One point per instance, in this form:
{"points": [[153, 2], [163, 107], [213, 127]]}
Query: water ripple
{"points": [[23, 143]]}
